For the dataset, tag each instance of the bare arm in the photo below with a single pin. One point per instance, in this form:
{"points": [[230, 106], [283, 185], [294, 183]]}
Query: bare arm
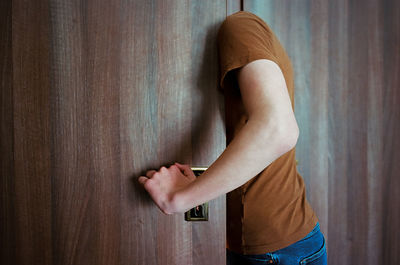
{"points": [[271, 131]]}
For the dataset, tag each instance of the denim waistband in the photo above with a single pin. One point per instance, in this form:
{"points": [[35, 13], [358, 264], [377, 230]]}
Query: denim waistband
{"points": [[315, 230]]}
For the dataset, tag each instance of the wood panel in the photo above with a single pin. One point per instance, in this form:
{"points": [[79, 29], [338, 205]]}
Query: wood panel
{"points": [[384, 71], [32, 132], [7, 213], [208, 138], [180, 120], [85, 151], [346, 64], [233, 6], [104, 91]]}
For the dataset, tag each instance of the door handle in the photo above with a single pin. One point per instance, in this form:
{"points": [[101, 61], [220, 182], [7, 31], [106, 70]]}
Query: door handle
{"points": [[200, 212]]}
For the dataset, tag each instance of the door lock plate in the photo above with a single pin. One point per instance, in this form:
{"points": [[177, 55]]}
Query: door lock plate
{"points": [[200, 212]]}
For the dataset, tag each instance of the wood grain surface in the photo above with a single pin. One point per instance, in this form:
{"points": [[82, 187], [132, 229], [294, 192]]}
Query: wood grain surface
{"points": [[94, 94], [233, 6], [32, 133], [7, 213], [345, 56]]}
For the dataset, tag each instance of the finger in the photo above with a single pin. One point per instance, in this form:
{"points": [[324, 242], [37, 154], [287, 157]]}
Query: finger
{"points": [[162, 169], [142, 180], [181, 167], [172, 166], [185, 168], [150, 173]]}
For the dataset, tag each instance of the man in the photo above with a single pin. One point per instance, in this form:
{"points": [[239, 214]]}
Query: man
{"points": [[269, 220]]}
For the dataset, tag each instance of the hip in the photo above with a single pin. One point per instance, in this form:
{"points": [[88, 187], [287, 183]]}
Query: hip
{"points": [[308, 250]]}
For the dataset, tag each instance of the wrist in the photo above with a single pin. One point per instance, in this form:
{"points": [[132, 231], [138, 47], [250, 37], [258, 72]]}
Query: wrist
{"points": [[177, 202]]}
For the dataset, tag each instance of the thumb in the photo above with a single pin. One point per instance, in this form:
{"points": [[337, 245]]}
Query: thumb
{"points": [[185, 168], [182, 167]]}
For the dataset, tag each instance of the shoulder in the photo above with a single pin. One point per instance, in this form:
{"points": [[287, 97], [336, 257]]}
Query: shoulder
{"points": [[243, 23], [243, 15], [243, 19]]}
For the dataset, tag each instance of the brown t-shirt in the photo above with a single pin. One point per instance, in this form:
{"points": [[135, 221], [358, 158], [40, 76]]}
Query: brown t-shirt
{"points": [[270, 211]]}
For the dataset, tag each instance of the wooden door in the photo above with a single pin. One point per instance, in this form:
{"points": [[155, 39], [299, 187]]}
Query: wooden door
{"points": [[102, 91]]}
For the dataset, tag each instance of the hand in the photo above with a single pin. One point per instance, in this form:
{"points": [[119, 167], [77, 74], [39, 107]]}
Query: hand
{"points": [[162, 185]]}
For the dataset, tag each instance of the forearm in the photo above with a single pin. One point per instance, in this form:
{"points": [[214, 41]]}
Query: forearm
{"points": [[257, 145]]}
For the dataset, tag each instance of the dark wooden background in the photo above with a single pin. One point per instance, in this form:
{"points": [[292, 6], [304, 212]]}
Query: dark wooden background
{"points": [[346, 60], [94, 94]]}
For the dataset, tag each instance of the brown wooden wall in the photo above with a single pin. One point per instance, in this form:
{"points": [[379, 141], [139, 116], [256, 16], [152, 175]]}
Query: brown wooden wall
{"points": [[346, 61], [7, 229], [94, 94], [345, 55]]}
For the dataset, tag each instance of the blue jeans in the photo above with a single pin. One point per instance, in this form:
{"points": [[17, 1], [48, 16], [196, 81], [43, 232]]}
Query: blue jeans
{"points": [[309, 250]]}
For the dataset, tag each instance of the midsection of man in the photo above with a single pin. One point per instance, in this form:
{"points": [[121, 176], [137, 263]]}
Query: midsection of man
{"points": [[270, 211]]}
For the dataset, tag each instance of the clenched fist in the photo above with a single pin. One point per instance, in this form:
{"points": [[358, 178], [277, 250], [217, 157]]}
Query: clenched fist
{"points": [[163, 184]]}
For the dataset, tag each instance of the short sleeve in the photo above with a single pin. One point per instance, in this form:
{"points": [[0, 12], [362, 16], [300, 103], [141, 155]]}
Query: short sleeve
{"points": [[243, 37]]}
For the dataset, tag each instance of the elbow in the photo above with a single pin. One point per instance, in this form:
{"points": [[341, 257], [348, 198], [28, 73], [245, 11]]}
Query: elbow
{"points": [[287, 136], [281, 133]]}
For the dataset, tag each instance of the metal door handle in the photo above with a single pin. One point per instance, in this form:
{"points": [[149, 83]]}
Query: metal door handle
{"points": [[200, 212]]}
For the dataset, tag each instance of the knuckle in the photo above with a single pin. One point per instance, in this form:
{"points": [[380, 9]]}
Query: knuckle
{"points": [[148, 184], [175, 167]]}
